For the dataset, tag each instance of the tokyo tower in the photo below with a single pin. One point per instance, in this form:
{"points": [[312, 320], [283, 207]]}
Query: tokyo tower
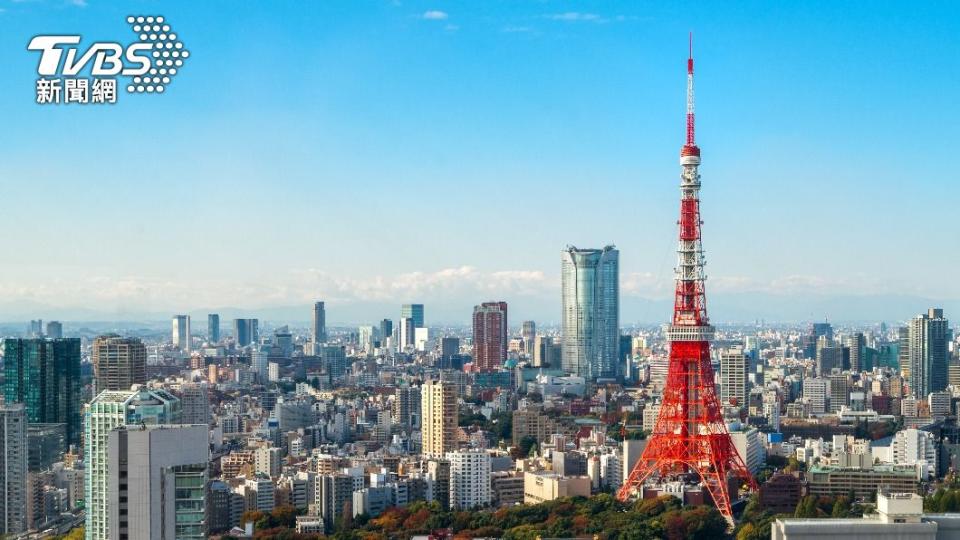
{"points": [[690, 437]]}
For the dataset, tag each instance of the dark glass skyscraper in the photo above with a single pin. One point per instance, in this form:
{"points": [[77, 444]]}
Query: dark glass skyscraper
{"points": [[44, 375], [213, 328], [414, 312]]}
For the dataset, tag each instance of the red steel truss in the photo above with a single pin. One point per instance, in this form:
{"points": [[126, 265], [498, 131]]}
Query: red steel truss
{"points": [[690, 436]]}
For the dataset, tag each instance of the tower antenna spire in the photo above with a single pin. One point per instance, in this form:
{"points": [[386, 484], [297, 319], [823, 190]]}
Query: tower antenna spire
{"points": [[691, 139], [690, 437]]}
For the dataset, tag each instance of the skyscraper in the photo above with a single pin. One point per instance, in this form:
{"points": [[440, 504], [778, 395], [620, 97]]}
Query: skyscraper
{"points": [[319, 324], [13, 469], [118, 362], [109, 410], [157, 481], [591, 311], [246, 331], [928, 352], [54, 330], [386, 331], [528, 332], [440, 415], [181, 332], [857, 345], [414, 312], [213, 328], [406, 333], [489, 335], [44, 375]]}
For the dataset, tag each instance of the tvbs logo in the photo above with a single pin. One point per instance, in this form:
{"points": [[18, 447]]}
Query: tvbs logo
{"points": [[150, 63]]}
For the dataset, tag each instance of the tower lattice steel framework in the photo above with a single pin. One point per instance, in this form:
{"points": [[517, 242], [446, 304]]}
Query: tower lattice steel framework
{"points": [[690, 436]]}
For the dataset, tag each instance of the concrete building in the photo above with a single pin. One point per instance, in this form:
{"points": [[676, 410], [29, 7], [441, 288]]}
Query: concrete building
{"points": [[195, 404], [13, 469], [469, 479], [899, 517], [540, 487], [734, 368], [438, 405], [118, 362], [817, 391], [157, 479], [749, 443], [829, 480]]}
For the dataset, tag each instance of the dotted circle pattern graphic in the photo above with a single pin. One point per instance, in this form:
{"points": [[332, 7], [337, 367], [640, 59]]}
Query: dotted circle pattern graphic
{"points": [[167, 55]]}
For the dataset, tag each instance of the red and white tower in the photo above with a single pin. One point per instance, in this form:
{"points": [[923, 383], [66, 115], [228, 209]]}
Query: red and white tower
{"points": [[690, 436]]}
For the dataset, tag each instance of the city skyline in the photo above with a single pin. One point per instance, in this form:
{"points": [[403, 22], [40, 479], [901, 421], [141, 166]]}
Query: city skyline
{"points": [[772, 96]]}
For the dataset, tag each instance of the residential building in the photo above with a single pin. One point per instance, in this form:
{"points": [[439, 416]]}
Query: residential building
{"points": [[118, 362], [469, 479], [489, 335], [319, 327], [13, 469], [438, 405], [734, 366]]}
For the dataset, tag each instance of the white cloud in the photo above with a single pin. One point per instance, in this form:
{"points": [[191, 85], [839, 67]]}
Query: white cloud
{"points": [[435, 15], [576, 16], [78, 3]]}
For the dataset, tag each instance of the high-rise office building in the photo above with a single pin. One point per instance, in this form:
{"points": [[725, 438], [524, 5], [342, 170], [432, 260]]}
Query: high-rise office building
{"points": [[591, 311], [928, 352], [35, 330], [414, 312], [528, 332], [246, 331], [734, 366], [809, 341], [857, 345], [489, 335], [54, 330], [406, 333], [213, 328], [181, 332], [157, 479], [438, 405], [109, 410], [450, 353], [319, 334], [44, 375], [118, 362], [386, 331], [13, 469]]}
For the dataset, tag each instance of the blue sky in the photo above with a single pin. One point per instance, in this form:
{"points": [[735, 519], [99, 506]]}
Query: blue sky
{"points": [[373, 153]]}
